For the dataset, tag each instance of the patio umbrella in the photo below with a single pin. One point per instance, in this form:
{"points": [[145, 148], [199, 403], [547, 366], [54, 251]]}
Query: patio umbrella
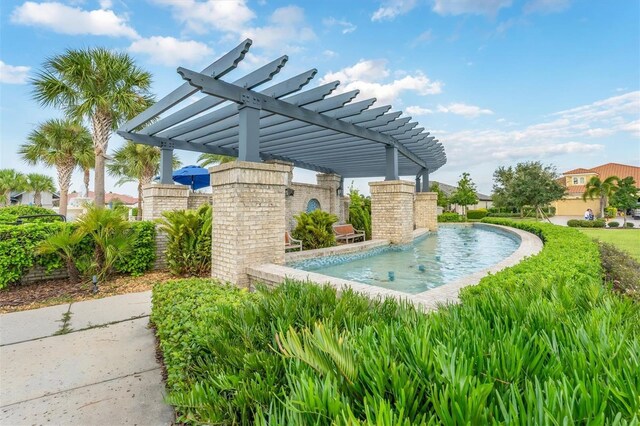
{"points": [[194, 176]]}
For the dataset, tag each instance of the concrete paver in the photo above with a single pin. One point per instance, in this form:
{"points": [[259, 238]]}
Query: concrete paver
{"points": [[110, 309], [29, 325], [40, 367], [106, 403]]}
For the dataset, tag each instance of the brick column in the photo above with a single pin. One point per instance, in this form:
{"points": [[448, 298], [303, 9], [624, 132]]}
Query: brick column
{"points": [[158, 198], [248, 217], [426, 210], [392, 210], [332, 182]]}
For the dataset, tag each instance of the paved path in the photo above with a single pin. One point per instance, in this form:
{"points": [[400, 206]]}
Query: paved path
{"points": [[85, 363]]}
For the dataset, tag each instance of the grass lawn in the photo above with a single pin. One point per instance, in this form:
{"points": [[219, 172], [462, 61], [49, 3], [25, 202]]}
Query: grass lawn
{"points": [[625, 239]]}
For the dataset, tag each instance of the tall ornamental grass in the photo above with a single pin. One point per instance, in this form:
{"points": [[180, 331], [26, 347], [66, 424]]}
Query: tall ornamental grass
{"points": [[543, 342]]}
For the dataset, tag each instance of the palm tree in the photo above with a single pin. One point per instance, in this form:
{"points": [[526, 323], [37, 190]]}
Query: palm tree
{"points": [[86, 162], [99, 85], [39, 183], [205, 160], [10, 180], [602, 189], [57, 143], [134, 162]]}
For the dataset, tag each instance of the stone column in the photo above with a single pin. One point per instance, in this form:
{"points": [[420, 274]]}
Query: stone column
{"points": [[248, 217], [392, 210], [426, 210], [158, 198], [332, 182]]}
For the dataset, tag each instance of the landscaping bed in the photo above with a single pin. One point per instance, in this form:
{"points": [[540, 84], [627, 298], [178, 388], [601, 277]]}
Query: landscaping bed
{"points": [[543, 342]]}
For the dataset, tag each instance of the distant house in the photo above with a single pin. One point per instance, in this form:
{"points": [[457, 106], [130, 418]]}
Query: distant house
{"points": [[576, 180], [484, 200], [76, 198], [47, 199]]}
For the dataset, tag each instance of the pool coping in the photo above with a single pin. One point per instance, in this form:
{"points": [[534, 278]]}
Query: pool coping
{"points": [[272, 274]]}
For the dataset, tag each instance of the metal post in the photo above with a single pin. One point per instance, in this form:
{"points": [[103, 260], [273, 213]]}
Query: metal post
{"points": [[392, 163], [425, 181], [249, 134], [418, 183], [341, 187], [166, 166]]}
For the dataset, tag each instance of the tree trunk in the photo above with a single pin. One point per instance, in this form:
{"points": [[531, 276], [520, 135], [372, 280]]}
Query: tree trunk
{"points": [[65, 170], [602, 200], [139, 215], [72, 271], [101, 123], [87, 177], [7, 200], [37, 198]]}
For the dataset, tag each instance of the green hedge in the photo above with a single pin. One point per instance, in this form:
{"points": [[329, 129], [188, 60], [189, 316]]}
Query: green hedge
{"points": [[543, 342], [579, 223], [450, 217], [10, 214], [18, 245], [477, 214]]}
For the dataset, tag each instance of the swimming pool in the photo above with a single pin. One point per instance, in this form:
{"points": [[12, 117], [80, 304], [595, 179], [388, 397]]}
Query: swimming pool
{"points": [[430, 261]]}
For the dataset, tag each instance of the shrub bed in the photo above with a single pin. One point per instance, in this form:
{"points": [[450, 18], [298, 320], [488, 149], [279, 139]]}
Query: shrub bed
{"points": [[621, 270], [18, 245], [477, 214], [578, 223], [542, 342], [450, 217], [613, 224], [10, 214]]}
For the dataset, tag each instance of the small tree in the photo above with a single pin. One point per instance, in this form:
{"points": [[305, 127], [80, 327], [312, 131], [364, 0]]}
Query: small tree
{"points": [[502, 186], [443, 200], [602, 189], [359, 212], [39, 183], [626, 196], [465, 194]]}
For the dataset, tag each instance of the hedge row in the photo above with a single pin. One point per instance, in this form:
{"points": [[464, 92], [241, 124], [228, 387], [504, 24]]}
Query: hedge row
{"points": [[579, 223], [543, 342], [10, 214], [18, 245], [450, 217]]}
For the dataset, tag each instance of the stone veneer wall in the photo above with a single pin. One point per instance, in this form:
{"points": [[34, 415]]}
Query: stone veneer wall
{"points": [[392, 211], [39, 273], [425, 208], [303, 192], [197, 199], [248, 217]]}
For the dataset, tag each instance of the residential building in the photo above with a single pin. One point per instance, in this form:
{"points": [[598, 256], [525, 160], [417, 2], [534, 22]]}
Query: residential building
{"points": [[576, 180], [484, 200], [47, 199]]}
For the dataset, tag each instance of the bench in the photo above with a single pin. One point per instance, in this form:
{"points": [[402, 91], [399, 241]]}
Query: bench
{"points": [[291, 243], [347, 234]]}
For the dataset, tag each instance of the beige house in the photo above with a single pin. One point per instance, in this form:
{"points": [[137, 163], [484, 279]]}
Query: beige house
{"points": [[576, 180]]}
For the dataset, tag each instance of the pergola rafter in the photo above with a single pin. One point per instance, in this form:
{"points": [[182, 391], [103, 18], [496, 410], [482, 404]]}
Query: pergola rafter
{"points": [[314, 129]]}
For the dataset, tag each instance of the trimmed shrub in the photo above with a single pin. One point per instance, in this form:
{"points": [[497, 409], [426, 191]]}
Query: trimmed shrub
{"points": [[579, 223], [542, 342], [450, 217], [610, 212], [315, 229], [620, 270], [504, 215], [143, 250], [613, 224], [477, 214], [360, 212], [629, 224], [189, 247], [10, 214]]}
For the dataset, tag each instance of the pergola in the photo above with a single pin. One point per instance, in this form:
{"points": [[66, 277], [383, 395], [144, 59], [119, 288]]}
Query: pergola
{"points": [[311, 129]]}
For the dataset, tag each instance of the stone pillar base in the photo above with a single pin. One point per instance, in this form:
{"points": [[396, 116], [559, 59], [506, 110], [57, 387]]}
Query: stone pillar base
{"points": [[160, 198], [392, 210], [426, 210], [248, 203]]}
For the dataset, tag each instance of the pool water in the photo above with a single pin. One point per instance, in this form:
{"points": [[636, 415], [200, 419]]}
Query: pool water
{"points": [[432, 260]]}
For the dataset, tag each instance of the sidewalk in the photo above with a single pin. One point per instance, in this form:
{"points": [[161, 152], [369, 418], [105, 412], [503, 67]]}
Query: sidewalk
{"points": [[85, 363]]}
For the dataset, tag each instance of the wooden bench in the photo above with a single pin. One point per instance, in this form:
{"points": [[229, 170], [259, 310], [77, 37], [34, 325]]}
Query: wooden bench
{"points": [[291, 243], [347, 234]]}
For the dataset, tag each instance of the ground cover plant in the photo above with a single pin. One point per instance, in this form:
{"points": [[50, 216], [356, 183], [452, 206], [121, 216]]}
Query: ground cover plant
{"points": [[543, 342], [621, 270]]}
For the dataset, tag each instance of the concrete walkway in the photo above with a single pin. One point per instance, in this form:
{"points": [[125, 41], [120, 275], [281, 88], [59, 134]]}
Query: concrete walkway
{"points": [[85, 363]]}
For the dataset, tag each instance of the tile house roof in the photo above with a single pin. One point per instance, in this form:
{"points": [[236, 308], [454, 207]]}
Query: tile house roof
{"points": [[604, 171], [108, 197], [579, 171]]}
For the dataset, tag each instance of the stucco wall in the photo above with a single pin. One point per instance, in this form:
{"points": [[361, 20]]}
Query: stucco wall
{"points": [[576, 207]]}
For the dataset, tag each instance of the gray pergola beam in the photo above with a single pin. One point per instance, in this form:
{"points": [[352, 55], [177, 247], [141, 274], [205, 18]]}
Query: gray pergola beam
{"points": [[216, 120], [238, 94], [251, 80], [219, 68]]}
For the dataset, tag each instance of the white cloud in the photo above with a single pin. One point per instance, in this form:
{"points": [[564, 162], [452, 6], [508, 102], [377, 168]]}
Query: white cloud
{"points": [[286, 30], [346, 26], [424, 37], [65, 19], [371, 77], [329, 53], [392, 8], [171, 51], [12, 74], [204, 16], [546, 6], [106, 4], [473, 7], [606, 109], [465, 110], [417, 110]]}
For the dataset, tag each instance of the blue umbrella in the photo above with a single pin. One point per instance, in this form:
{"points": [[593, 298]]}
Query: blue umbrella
{"points": [[194, 176]]}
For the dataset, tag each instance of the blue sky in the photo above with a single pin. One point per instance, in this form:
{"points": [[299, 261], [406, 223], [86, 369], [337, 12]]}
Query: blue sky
{"points": [[496, 81]]}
